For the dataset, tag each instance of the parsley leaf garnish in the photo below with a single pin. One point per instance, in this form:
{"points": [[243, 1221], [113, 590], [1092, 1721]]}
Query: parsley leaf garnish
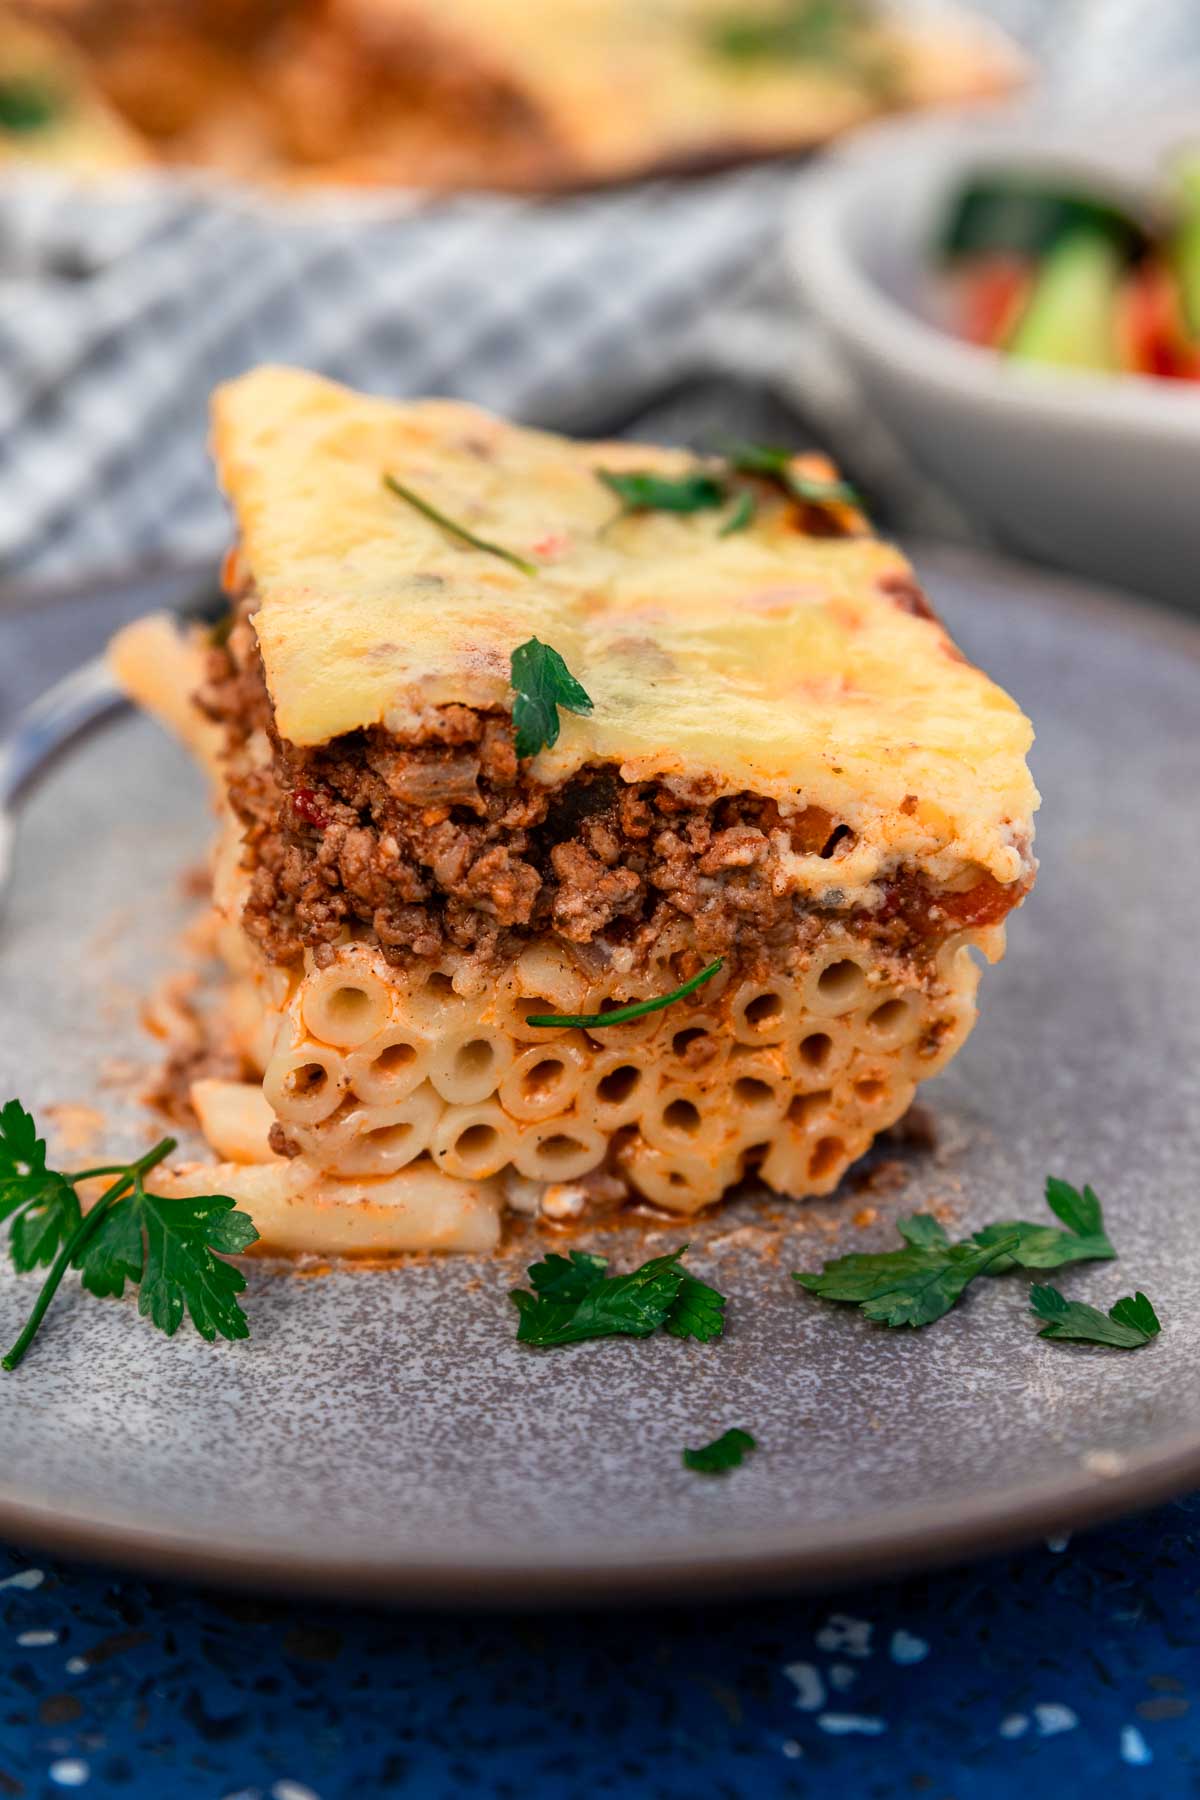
{"points": [[1080, 1213], [920, 1283], [725, 1452], [622, 1015], [633, 1305], [1043, 1246], [698, 1311], [1128, 1325], [643, 491], [799, 29], [570, 1278], [45, 1206], [182, 1267], [403, 492], [742, 516], [22, 1151], [27, 104], [113, 1255], [574, 1299], [542, 683], [171, 1249], [777, 466], [818, 31], [913, 1286], [923, 1232], [40, 1230]]}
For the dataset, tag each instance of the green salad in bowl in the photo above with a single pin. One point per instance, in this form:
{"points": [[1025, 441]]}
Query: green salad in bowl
{"points": [[1079, 275]]}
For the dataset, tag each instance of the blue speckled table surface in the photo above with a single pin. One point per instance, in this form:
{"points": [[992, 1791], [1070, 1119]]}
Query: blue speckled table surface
{"points": [[1070, 1668]]}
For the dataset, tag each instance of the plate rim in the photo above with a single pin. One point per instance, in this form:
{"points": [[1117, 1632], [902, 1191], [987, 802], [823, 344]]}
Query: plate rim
{"points": [[886, 1543]]}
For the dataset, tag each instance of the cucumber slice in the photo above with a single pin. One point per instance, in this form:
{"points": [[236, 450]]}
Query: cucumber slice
{"points": [[1025, 215], [1185, 240], [1070, 318]]}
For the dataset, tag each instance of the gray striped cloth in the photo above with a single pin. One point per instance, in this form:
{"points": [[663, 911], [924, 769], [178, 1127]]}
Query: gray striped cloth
{"points": [[661, 308], [117, 318]]}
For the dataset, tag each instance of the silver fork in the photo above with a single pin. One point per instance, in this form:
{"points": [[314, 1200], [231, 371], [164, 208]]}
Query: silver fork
{"points": [[69, 709], [56, 719]]}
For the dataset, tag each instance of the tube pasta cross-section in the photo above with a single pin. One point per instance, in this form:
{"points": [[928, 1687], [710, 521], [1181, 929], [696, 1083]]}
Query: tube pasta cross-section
{"points": [[788, 1077]]}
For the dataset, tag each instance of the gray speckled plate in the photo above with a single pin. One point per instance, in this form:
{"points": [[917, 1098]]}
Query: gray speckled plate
{"points": [[381, 1433]]}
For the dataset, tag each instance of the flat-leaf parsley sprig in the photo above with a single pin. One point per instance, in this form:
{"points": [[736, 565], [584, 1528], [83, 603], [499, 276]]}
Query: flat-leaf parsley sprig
{"points": [[728, 1451], [542, 683], [1128, 1325], [641, 490], [574, 1298], [709, 486], [170, 1249], [921, 1282], [1044, 1246], [913, 1286], [774, 464], [28, 104]]}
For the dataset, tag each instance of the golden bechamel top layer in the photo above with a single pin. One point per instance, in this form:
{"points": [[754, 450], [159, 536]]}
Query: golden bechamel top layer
{"points": [[766, 660]]}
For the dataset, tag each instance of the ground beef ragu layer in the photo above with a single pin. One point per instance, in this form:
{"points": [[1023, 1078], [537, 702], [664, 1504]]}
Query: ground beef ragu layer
{"points": [[449, 842]]}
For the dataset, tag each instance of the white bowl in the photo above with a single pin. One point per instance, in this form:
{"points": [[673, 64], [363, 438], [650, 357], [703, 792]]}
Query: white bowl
{"points": [[1096, 473]]}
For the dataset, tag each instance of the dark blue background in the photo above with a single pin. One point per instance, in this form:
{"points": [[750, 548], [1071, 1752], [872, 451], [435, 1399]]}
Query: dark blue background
{"points": [[1065, 1670]]}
